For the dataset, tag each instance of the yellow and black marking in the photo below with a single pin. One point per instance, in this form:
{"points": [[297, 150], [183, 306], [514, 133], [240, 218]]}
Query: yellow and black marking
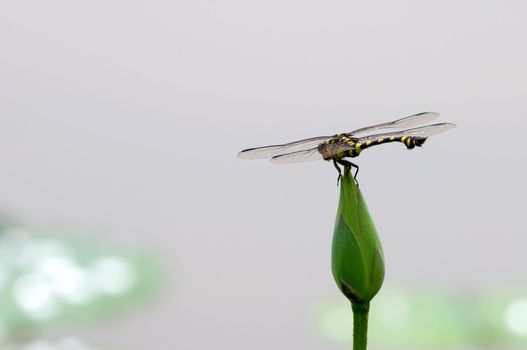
{"points": [[352, 147], [337, 147], [409, 141]]}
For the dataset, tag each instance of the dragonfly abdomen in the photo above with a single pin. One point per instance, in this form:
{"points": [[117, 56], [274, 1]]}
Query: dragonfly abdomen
{"points": [[409, 141]]}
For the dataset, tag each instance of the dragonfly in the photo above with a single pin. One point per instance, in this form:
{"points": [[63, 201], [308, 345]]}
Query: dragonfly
{"points": [[339, 147]]}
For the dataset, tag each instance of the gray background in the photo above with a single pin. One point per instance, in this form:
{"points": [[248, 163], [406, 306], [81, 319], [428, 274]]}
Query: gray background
{"points": [[126, 118]]}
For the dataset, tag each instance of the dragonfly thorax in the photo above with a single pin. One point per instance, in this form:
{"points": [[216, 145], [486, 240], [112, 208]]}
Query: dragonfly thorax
{"points": [[338, 148]]}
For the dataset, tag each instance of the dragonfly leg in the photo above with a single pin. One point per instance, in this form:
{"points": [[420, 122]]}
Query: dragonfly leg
{"points": [[338, 169], [349, 164]]}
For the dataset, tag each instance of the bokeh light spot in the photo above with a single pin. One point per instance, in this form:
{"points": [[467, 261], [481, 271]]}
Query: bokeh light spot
{"points": [[34, 295], [50, 248], [336, 324], [516, 317], [112, 275], [66, 278]]}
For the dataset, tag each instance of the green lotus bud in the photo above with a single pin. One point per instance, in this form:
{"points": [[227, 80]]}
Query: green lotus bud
{"points": [[357, 259]]}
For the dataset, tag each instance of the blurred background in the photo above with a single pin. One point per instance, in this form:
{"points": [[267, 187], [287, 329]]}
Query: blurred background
{"points": [[129, 222]]}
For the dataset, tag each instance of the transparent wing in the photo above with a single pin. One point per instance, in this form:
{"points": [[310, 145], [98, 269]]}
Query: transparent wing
{"points": [[423, 131], [407, 122], [298, 156], [275, 150], [311, 143]]}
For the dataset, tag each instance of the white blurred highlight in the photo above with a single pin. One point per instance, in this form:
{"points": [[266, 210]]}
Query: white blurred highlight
{"points": [[52, 277], [34, 295], [516, 317], [112, 275], [67, 279]]}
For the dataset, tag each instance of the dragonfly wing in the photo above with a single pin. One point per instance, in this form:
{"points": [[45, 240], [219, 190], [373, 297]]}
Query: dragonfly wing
{"points": [[423, 131], [275, 150], [407, 122], [260, 152], [298, 156], [429, 130]]}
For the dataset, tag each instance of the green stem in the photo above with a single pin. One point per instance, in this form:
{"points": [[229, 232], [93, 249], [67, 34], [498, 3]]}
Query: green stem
{"points": [[360, 325]]}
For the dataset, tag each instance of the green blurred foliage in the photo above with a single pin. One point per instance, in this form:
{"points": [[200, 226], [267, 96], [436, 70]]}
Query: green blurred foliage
{"points": [[431, 320], [47, 281]]}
